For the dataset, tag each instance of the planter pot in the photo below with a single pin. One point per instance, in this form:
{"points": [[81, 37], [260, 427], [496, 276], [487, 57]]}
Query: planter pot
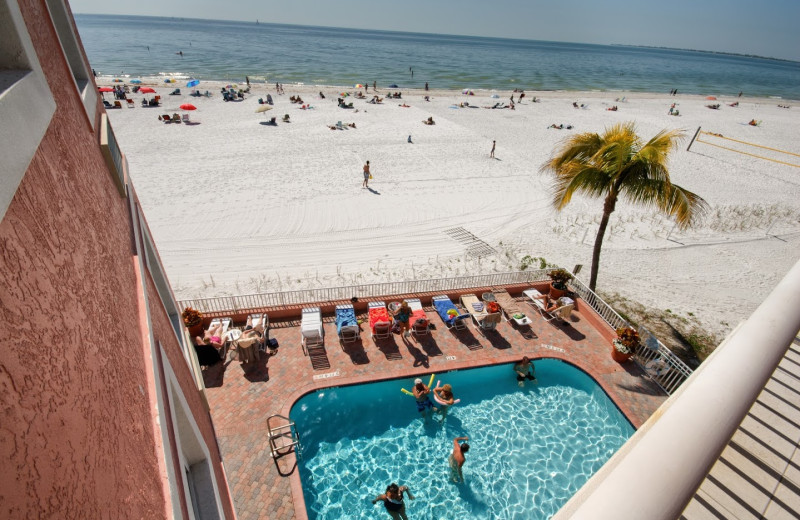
{"points": [[556, 293], [195, 330], [618, 356]]}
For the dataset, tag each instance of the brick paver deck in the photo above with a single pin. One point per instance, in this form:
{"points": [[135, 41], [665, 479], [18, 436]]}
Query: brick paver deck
{"points": [[242, 398]]}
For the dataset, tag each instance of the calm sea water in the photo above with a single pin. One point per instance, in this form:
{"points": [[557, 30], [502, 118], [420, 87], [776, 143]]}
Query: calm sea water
{"points": [[220, 50]]}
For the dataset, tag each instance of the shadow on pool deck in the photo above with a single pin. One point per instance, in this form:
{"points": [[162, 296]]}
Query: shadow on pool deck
{"points": [[241, 401]]}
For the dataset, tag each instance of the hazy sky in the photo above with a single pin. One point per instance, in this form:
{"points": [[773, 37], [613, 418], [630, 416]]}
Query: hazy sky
{"points": [[765, 27]]}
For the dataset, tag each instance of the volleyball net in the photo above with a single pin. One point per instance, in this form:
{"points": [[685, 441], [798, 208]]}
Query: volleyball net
{"points": [[743, 147]]}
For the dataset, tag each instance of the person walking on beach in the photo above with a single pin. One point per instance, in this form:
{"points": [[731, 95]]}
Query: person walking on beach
{"points": [[457, 459], [491, 154], [374, 88], [367, 175], [393, 501]]}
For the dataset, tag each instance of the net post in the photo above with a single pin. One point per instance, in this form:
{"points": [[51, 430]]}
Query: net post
{"points": [[693, 138]]}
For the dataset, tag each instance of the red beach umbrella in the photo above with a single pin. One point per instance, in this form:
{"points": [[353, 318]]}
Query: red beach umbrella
{"points": [[188, 106], [105, 89], [146, 90], [711, 98]]}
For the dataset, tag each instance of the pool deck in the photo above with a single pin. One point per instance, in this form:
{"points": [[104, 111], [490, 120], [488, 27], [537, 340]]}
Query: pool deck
{"points": [[242, 397]]}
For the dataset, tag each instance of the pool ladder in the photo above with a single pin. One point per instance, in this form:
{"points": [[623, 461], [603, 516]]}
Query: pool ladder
{"points": [[283, 438]]}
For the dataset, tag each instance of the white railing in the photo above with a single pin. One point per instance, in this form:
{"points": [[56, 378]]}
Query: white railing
{"points": [[372, 290], [664, 367], [658, 471]]}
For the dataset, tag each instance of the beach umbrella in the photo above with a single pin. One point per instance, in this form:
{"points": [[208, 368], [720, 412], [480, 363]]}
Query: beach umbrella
{"points": [[105, 89], [263, 108], [136, 81], [711, 98], [495, 96], [193, 83], [146, 90], [393, 85], [188, 106], [359, 85]]}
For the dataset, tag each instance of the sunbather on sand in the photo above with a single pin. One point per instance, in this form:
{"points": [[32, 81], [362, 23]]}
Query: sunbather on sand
{"points": [[429, 121]]}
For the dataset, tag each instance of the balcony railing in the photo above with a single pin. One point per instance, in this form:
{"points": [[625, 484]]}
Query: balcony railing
{"points": [[664, 367]]}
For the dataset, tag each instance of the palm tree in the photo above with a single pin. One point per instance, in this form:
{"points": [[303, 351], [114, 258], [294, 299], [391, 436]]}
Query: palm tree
{"points": [[617, 163]]}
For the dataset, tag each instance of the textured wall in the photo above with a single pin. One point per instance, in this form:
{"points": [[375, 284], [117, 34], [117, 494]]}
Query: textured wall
{"points": [[76, 424]]}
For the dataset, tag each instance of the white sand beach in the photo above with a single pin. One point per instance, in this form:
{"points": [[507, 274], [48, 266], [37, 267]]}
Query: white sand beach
{"points": [[239, 207]]}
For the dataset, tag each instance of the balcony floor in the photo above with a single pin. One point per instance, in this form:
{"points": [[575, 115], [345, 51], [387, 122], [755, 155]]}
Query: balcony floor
{"points": [[241, 399]]}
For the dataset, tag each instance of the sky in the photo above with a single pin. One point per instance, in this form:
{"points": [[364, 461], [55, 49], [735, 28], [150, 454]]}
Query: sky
{"points": [[763, 28]]}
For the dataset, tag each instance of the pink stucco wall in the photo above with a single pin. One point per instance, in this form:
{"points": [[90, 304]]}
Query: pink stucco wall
{"points": [[77, 435]]}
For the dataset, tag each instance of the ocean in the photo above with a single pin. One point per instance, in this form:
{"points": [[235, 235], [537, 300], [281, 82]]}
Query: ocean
{"points": [[147, 47]]}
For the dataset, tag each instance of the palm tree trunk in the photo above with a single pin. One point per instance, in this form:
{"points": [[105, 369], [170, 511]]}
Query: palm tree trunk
{"points": [[608, 207]]}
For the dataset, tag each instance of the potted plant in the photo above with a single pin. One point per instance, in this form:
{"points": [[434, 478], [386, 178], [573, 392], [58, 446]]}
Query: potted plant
{"points": [[193, 319], [624, 347], [558, 282]]}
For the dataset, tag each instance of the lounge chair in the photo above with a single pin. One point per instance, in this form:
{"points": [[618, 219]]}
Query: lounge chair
{"points": [[379, 321], [248, 348], [444, 305], [339, 125], [420, 326], [311, 328], [117, 104], [185, 118], [346, 323], [483, 319], [563, 311], [176, 118], [131, 104], [509, 306], [166, 118]]}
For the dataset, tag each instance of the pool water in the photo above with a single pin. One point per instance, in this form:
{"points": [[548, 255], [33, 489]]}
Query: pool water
{"points": [[531, 448]]}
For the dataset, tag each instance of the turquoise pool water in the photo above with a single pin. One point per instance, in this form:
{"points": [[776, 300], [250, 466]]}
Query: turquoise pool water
{"points": [[532, 448]]}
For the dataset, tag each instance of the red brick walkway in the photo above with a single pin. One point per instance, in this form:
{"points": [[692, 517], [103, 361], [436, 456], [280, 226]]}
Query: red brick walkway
{"points": [[241, 400]]}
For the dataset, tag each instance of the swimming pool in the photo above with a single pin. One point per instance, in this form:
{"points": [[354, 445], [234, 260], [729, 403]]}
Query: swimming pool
{"points": [[532, 448]]}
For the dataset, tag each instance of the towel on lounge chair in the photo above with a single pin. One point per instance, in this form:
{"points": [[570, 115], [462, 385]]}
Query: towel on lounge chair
{"points": [[444, 306], [345, 317]]}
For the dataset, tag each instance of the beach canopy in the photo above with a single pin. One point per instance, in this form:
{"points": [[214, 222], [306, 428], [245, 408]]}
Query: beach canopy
{"points": [[147, 90], [468, 91], [136, 81], [193, 83], [263, 108], [188, 106], [105, 89], [711, 98]]}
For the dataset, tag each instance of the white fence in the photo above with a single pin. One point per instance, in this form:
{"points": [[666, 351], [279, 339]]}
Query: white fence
{"points": [[666, 369]]}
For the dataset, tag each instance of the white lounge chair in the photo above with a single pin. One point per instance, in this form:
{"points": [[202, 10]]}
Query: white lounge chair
{"points": [[563, 311], [483, 319], [311, 328]]}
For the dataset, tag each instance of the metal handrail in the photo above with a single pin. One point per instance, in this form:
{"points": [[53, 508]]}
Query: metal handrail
{"points": [[665, 368]]}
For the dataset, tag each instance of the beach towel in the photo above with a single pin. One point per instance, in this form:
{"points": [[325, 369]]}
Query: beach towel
{"points": [[443, 307], [345, 318]]}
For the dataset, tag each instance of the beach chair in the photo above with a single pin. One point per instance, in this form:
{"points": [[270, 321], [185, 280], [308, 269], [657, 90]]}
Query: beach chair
{"points": [[447, 310], [483, 319], [166, 118], [420, 326], [185, 118], [260, 323], [379, 321], [563, 311], [346, 324], [117, 104], [226, 325], [131, 104], [339, 125], [247, 347], [311, 328], [509, 306], [176, 118]]}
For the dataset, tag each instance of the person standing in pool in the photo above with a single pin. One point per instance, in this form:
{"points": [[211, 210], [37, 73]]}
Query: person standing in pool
{"points": [[457, 459], [393, 501], [525, 370], [421, 394], [444, 396]]}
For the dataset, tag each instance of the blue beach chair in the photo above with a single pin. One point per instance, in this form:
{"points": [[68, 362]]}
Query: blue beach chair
{"points": [[443, 305], [346, 323]]}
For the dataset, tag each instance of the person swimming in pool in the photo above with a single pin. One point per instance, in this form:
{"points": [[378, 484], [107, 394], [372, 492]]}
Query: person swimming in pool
{"points": [[444, 396], [393, 501], [424, 404], [525, 370], [457, 459]]}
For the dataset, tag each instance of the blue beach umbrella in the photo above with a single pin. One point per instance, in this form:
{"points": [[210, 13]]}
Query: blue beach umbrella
{"points": [[193, 83], [136, 81]]}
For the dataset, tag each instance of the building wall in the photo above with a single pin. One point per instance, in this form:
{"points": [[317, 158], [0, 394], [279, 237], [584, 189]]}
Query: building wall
{"points": [[78, 429]]}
